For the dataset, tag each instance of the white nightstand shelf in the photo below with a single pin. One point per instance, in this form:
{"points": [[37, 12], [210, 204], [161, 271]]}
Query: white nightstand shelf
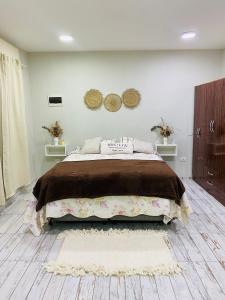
{"points": [[166, 150], [55, 151]]}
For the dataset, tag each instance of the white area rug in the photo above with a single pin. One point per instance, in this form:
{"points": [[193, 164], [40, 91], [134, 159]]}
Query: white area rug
{"points": [[114, 252]]}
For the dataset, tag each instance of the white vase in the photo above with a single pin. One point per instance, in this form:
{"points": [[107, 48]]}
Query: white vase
{"points": [[165, 140], [56, 141]]}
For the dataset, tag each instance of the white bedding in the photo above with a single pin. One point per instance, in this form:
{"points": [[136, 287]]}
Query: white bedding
{"points": [[133, 156], [108, 206]]}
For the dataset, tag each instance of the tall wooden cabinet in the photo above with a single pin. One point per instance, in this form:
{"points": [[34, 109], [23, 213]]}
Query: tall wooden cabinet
{"points": [[209, 138]]}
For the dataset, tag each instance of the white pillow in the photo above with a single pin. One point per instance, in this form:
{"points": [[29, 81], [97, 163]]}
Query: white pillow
{"points": [[92, 146], [122, 139], [125, 139], [109, 147], [76, 150], [143, 147]]}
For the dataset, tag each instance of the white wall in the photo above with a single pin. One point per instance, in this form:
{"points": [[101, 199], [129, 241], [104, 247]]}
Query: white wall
{"points": [[165, 79]]}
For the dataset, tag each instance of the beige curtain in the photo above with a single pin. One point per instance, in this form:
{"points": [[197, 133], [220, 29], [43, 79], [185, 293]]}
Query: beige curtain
{"points": [[15, 162], [2, 192]]}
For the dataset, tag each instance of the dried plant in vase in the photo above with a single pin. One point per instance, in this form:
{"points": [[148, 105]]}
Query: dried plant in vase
{"points": [[55, 131], [164, 129]]}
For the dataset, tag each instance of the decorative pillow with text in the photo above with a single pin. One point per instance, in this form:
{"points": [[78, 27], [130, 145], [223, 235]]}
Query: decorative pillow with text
{"points": [[110, 147]]}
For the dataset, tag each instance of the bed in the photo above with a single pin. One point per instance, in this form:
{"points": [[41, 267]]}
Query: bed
{"points": [[95, 186]]}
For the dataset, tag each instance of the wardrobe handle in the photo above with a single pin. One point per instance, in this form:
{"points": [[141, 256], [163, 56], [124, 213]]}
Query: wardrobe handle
{"points": [[213, 122], [209, 182], [210, 126], [211, 174], [198, 132]]}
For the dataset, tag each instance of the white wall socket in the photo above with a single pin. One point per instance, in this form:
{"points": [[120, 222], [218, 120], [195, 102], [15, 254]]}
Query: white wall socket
{"points": [[183, 158]]}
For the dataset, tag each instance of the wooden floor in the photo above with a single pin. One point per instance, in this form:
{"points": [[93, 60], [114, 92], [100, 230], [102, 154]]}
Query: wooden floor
{"points": [[199, 246]]}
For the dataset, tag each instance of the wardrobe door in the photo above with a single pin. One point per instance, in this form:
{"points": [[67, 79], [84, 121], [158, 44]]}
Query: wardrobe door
{"points": [[199, 135], [210, 134], [219, 133], [196, 135], [216, 142]]}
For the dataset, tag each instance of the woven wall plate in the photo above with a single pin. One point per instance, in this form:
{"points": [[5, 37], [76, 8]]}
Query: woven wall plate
{"points": [[113, 102], [93, 99], [131, 98]]}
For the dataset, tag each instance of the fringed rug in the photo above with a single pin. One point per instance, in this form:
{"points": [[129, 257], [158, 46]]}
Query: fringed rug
{"points": [[114, 252]]}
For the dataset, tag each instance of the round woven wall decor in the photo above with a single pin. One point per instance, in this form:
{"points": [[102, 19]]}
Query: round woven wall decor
{"points": [[93, 99], [131, 98], [113, 102]]}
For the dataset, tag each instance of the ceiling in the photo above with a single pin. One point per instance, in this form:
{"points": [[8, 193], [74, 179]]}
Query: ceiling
{"points": [[34, 25]]}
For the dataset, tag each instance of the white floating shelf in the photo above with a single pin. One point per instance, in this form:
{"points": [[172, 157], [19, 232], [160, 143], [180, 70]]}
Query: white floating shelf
{"points": [[166, 150], [55, 151]]}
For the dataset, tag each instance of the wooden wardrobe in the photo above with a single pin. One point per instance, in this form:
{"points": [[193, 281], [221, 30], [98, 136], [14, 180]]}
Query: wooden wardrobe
{"points": [[209, 138]]}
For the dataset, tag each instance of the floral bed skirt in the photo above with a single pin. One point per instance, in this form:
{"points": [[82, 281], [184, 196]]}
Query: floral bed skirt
{"points": [[105, 207]]}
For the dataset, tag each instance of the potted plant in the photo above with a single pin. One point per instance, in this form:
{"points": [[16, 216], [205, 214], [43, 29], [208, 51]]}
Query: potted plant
{"points": [[55, 131], [164, 129]]}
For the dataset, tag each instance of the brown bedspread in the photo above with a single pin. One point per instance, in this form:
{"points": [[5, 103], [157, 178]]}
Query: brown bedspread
{"points": [[96, 178]]}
